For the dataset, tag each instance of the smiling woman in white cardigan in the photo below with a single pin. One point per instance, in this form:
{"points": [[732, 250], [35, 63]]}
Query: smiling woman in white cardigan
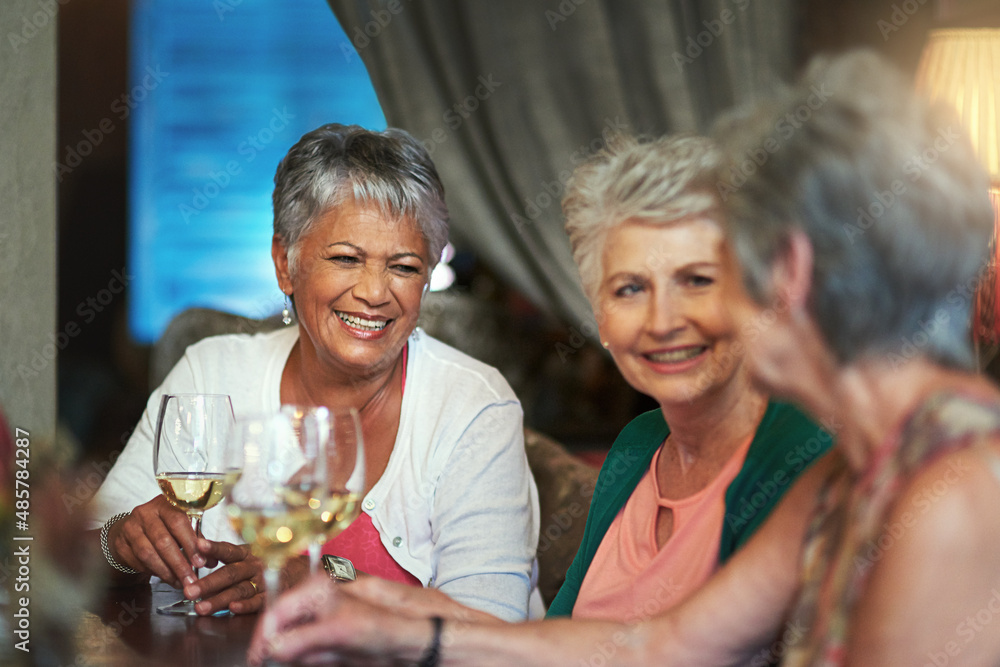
{"points": [[359, 223]]}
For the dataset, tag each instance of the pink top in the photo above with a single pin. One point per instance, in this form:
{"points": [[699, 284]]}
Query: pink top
{"points": [[361, 543], [630, 579]]}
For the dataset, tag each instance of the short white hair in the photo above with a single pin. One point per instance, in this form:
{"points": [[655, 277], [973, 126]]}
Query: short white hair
{"points": [[657, 181]]}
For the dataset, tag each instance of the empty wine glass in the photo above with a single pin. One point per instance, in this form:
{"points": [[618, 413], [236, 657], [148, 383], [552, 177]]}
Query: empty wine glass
{"points": [[193, 460], [331, 481]]}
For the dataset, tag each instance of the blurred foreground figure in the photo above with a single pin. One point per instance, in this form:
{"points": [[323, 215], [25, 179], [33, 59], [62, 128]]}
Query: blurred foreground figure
{"points": [[49, 574]]}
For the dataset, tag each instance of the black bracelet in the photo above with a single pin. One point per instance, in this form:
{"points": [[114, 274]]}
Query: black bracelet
{"points": [[432, 655], [106, 550]]}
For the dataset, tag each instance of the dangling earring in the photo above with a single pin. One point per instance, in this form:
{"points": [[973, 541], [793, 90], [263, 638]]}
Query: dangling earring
{"points": [[286, 314]]}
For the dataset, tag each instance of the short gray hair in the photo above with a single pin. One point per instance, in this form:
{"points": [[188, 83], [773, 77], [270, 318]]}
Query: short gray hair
{"points": [[658, 181], [336, 163], [890, 194]]}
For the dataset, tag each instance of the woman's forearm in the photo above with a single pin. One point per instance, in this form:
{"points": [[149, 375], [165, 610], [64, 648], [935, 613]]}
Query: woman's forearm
{"points": [[545, 644], [738, 612], [735, 616], [311, 623]]}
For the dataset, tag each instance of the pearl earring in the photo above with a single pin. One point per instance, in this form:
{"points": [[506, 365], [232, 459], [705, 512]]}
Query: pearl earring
{"points": [[286, 314]]}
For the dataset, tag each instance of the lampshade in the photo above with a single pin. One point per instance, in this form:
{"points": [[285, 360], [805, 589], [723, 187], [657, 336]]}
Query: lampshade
{"points": [[962, 66]]}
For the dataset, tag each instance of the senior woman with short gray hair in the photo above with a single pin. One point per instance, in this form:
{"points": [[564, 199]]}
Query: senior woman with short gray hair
{"points": [[359, 223]]}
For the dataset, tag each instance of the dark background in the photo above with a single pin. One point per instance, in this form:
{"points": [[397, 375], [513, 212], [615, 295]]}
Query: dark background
{"points": [[103, 375]]}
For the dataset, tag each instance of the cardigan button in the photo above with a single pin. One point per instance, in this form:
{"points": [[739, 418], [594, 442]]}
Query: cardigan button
{"points": [[396, 541], [369, 504]]}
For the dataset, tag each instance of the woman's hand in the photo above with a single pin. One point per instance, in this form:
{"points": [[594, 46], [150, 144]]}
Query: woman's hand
{"points": [[151, 540], [238, 585], [155, 538], [320, 620]]}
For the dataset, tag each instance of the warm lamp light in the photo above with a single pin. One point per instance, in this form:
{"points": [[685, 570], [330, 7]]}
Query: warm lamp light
{"points": [[961, 66]]}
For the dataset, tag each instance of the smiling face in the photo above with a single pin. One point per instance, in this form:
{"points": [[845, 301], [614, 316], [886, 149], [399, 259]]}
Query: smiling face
{"points": [[357, 286], [662, 311]]}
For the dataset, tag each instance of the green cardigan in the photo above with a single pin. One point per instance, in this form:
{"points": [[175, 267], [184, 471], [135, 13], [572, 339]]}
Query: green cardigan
{"points": [[785, 444]]}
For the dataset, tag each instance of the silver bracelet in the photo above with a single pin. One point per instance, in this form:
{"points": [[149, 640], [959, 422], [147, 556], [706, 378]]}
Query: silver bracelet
{"points": [[104, 544]]}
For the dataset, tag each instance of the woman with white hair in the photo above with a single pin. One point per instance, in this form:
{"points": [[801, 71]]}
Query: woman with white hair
{"points": [[887, 551], [359, 223], [684, 486]]}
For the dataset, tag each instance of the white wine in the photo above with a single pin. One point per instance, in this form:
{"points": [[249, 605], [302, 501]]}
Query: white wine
{"points": [[229, 479], [330, 515], [273, 534], [192, 492], [336, 513]]}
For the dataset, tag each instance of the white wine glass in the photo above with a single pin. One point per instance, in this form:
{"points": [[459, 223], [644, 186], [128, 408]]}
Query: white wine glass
{"points": [[331, 480], [193, 460], [259, 507]]}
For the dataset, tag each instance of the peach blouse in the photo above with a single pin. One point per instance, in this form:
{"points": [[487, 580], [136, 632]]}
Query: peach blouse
{"points": [[630, 578]]}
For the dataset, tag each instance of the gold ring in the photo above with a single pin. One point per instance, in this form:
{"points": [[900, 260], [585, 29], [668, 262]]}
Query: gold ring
{"points": [[255, 589]]}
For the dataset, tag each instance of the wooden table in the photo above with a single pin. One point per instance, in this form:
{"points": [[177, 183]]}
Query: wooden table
{"points": [[124, 629]]}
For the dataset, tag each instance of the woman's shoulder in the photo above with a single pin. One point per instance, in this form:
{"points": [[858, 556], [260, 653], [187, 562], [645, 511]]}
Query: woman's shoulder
{"points": [[943, 425], [450, 370], [785, 418], [946, 519], [948, 503], [646, 425], [644, 434], [233, 355], [953, 439]]}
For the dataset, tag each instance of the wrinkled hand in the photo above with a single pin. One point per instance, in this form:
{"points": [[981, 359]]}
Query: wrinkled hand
{"points": [[238, 585], [151, 538], [320, 620]]}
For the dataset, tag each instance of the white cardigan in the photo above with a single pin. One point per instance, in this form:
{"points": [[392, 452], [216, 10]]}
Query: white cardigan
{"points": [[456, 506]]}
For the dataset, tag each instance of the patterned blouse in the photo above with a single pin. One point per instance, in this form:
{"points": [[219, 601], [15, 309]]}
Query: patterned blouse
{"points": [[845, 537]]}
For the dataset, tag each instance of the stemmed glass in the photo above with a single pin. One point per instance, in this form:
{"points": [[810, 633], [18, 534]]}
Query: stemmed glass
{"points": [[259, 508], [193, 460], [332, 478]]}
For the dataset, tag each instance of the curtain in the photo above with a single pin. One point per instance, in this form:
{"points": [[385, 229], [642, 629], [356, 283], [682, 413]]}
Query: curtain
{"points": [[508, 96]]}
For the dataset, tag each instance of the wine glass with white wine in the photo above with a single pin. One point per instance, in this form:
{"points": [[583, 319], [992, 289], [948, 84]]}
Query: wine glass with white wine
{"points": [[332, 478], [193, 460], [259, 507]]}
